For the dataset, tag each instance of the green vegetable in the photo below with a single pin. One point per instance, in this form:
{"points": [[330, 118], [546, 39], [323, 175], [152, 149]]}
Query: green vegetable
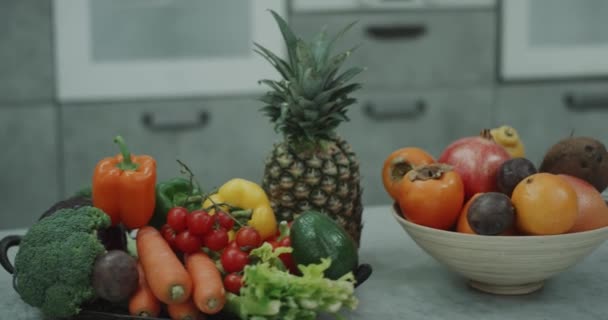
{"points": [[315, 236], [54, 264], [172, 193], [271, 293]]}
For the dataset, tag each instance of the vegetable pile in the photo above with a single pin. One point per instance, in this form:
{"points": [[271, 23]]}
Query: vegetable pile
{"points": [[194, 254]]}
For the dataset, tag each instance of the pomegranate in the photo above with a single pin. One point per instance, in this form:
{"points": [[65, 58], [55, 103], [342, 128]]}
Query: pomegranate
{"points": [[477, 160]]}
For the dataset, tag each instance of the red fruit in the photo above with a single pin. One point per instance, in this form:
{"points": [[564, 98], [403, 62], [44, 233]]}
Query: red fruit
{"points": [[169, 235], [200, 222], [592, 210], [216, 240], [224, 220], [187, 242], [248, 238], [286, 258], [234, 260], [176, 218], [476, 160], [233, 282]]}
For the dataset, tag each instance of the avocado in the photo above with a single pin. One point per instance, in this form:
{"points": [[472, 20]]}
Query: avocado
{"points": [[315, 235]]}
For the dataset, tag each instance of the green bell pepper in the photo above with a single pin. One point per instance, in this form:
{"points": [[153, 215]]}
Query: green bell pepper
{"points": [[172, 193]]}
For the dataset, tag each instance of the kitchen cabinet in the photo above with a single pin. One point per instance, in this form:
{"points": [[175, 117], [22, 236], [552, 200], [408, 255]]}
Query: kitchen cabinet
{"points": [[549, 39], [29, 162], [385, 121], [415, 49], [26, 59], [140, 49], [218, 139], [545, 113]]}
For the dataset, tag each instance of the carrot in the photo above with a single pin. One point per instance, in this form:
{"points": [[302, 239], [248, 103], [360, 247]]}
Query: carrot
{"points": [[143, 302], [208, 293], [183, 311], [166, 275]]}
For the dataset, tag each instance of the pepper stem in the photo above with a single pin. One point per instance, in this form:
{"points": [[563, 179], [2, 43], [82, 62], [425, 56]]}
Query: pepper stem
{"points": [[127, 163]]}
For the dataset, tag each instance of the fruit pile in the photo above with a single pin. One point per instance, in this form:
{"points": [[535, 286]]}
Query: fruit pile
{"points": [[485, 185]]}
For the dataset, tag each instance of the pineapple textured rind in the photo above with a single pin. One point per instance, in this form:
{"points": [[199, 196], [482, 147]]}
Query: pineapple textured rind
{"points": [[313, 167]]}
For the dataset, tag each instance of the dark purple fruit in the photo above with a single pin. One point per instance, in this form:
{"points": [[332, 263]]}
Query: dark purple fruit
{"points": [[513, 171], [115, 276], [491, 213]]}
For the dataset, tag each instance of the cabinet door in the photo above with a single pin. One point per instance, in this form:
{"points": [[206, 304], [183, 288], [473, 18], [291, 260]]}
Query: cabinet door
{"points": [[138, 48], [30, 179], [384, 122], [26, 58], [218, 139], [413, 49], [545, 113]]}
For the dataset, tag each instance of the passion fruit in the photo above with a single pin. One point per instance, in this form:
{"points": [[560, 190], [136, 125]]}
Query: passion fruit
{"points": [[513, 171], [491, 213]]}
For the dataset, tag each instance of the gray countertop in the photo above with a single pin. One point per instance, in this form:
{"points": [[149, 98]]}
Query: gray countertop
{"points": [[408, 284]]}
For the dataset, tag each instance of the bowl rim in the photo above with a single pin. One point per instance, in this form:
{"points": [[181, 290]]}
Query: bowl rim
{"points": [[396, 212]]}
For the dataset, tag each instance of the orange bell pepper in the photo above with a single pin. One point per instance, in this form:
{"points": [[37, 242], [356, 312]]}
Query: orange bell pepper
{"points": [[124, 187]]}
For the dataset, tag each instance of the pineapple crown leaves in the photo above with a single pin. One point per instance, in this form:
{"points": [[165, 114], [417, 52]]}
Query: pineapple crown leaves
{"points": [[311, 99]]}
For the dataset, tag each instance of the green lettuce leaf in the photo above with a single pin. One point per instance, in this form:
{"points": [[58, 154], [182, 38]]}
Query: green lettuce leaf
{"points": [[272, 293]]}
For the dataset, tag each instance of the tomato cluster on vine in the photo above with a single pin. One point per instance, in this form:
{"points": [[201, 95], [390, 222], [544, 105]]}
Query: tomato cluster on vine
{"points": [[190, 232]]}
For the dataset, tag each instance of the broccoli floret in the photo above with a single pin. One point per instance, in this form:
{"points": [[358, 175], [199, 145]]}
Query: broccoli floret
{"points": [[54, 264]]}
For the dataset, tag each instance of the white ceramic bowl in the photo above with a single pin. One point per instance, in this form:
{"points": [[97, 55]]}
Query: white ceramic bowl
{"points": [[504, 264]]}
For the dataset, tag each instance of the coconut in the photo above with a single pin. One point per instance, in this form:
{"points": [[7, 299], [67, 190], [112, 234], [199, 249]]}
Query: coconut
{"points": [[583, 157]]}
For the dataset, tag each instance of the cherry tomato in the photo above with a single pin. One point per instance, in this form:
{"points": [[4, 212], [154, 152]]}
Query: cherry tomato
{"points": [[187, 242], [224, 220], [398, 163], [233, 282], [248, 238], [200, 222], [234, 260], [286, 258], [232, 244], [217, 239], [176, 218], [169, 235], [439, 183]]}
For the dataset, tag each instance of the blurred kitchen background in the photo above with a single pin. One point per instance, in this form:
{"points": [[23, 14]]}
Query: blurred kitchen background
{"points": [[178, 79]]}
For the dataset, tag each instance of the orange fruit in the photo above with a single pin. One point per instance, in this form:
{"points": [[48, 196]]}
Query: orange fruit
{"points": [[545, 204], [463, 223], [400, 162], [592, 209]]}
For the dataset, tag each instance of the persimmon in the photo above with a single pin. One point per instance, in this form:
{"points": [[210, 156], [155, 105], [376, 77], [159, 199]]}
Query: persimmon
{"points": [[545, 204], [431, 195], [400, 162]]}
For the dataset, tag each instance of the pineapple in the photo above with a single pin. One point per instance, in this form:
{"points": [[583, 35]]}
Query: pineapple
{"points": [[312, 167]]}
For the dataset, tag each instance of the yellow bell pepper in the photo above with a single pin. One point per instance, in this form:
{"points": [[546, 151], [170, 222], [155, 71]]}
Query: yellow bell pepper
{"points": [[508, 137], [247, 195]]}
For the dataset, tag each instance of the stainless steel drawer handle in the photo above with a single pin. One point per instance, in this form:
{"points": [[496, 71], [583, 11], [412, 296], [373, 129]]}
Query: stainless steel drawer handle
{"points": [[587, 101], [151, 123], [415, 111], [396, 32]]}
